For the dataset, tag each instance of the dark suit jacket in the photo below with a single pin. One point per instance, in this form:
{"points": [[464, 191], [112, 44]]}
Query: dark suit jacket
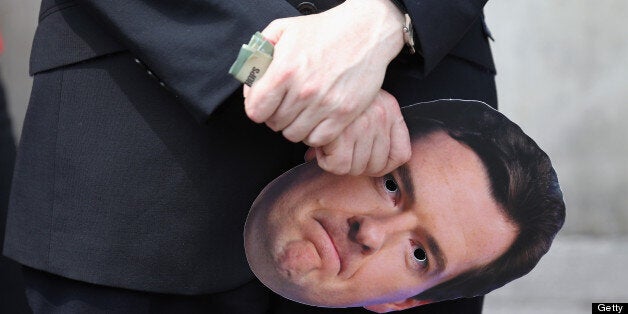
{"points": [[137, 164], [12, 298]]}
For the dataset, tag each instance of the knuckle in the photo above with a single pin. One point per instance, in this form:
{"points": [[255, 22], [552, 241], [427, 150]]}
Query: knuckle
{"points": [[336, 106], [273, 125], [400, 156], [307, 142], [345, 109], [374, 170], [376, 163], [328, 103], [362, 123], [379, 114], [292, 135], [357, 170], [405, 151], [321, 138], [406, 154], [307, 92], [360, 127], [388, 100], [339, 164], [272, 24], [340, 169], [253, 113], [285, 75]]}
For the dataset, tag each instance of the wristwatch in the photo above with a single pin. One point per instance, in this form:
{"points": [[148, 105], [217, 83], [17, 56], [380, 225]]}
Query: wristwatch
{"points": [[408, 31]]}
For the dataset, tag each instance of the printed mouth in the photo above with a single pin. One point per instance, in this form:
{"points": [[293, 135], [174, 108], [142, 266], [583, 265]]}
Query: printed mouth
{"points": [[333, 246]]}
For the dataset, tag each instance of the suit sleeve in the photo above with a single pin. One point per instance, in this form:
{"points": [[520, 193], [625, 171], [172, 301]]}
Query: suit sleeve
{"points": [[439, 25], [188, 45]]}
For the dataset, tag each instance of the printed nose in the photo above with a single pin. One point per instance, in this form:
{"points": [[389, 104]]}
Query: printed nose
{"points": [[367, 232]]}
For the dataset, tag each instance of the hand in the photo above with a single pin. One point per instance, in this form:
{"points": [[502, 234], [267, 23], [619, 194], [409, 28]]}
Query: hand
{"points": [[374, 144], [326, 70]]}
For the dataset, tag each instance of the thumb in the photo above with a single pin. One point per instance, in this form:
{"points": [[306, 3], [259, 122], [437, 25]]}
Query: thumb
{"points": [[310, 154]]}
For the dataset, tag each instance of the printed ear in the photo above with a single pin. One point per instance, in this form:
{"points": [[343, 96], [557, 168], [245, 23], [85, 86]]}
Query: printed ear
{"points": [[396, 306]]}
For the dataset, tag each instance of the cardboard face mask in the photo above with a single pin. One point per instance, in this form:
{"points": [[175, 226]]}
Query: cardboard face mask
{"points": [[343, 241]]}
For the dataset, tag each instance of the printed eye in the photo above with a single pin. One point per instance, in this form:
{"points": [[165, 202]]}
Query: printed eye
{"points": [[390, 184], [420, 256], [391, 188]]}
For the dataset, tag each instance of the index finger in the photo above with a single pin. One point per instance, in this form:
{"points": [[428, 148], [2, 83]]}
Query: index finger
{"points": [[265, 96]]}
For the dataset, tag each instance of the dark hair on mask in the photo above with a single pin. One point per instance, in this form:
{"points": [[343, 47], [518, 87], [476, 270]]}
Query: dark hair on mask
{"points": [[522, 181]]}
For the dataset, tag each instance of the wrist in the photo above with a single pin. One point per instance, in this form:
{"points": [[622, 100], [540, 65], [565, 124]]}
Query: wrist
{"points": [[408, 31], [384, 23], [400, 5]]}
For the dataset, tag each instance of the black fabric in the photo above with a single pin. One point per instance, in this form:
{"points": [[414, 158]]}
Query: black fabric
{"points": [[118, 184], [320, 5], [190, 45], [52, 294], [66, 35], [453, 78], [194, 66], [440, 26], [12, 299], [458, 306]]}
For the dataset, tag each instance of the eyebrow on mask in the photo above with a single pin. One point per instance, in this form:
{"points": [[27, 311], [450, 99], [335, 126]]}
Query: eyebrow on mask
{"points": [[406, 181], [437, 253]]}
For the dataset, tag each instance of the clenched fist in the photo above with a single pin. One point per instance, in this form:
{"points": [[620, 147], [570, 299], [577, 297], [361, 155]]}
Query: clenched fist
{"points": [[324, 85]]}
